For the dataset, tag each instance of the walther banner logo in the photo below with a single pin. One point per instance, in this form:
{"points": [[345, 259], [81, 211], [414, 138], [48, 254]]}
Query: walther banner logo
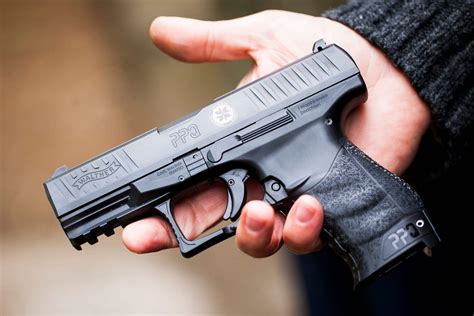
{"points": [[96, 175]]}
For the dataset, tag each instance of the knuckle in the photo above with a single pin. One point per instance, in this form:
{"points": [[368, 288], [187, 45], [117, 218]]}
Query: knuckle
{"points": [[270, 13], [210, 41], [300, 243], [258, 247]]}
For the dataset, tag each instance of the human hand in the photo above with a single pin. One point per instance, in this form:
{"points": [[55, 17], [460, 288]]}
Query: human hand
{"points": [[388, 127]]}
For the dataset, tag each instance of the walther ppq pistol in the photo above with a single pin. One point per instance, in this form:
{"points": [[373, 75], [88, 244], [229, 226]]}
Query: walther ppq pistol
{"points": [[284, 129]]}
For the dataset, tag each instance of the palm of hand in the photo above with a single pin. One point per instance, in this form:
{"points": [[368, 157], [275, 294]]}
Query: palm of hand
{"points": [[388, 127]]}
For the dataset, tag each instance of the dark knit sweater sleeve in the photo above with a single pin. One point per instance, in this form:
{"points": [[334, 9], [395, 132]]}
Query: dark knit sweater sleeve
{"points": [[432, 43]]}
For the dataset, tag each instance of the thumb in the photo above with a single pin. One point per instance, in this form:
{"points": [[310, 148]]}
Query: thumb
{"points": [[201, 41]]}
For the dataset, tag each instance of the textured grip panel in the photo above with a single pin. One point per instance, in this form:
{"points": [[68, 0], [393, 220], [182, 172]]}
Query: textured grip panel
{"points": [[373, 218]]}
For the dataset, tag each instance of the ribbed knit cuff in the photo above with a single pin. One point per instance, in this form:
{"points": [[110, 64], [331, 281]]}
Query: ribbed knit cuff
{"points": [[432, 43]]}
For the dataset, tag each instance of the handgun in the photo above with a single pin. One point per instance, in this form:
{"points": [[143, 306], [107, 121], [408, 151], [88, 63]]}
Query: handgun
{"points": [[284, 129]]}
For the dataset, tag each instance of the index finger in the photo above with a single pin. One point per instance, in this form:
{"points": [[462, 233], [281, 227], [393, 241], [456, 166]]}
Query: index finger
{"points": [[194, 214]]}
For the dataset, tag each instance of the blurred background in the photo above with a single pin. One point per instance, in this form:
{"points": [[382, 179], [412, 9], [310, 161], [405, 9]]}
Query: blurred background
{"points": [[77, 78]]}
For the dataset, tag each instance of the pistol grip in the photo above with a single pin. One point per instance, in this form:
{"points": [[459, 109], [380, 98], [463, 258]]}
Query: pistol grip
{"points": [[373, 219]]}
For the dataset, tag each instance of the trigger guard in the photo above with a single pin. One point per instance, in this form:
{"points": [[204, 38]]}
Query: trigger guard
{"points": [[236, 194], [235, 181]]}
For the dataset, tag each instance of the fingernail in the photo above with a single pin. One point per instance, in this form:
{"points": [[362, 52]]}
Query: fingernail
{"points": [[253, 224], [304, 213]]}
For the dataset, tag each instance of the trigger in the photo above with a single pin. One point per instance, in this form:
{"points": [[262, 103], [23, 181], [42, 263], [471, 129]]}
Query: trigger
{"points": [[235, 181]]}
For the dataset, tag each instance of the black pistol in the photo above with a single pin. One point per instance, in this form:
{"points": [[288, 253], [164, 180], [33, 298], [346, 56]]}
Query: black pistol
{"points": [[284, 129]]}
